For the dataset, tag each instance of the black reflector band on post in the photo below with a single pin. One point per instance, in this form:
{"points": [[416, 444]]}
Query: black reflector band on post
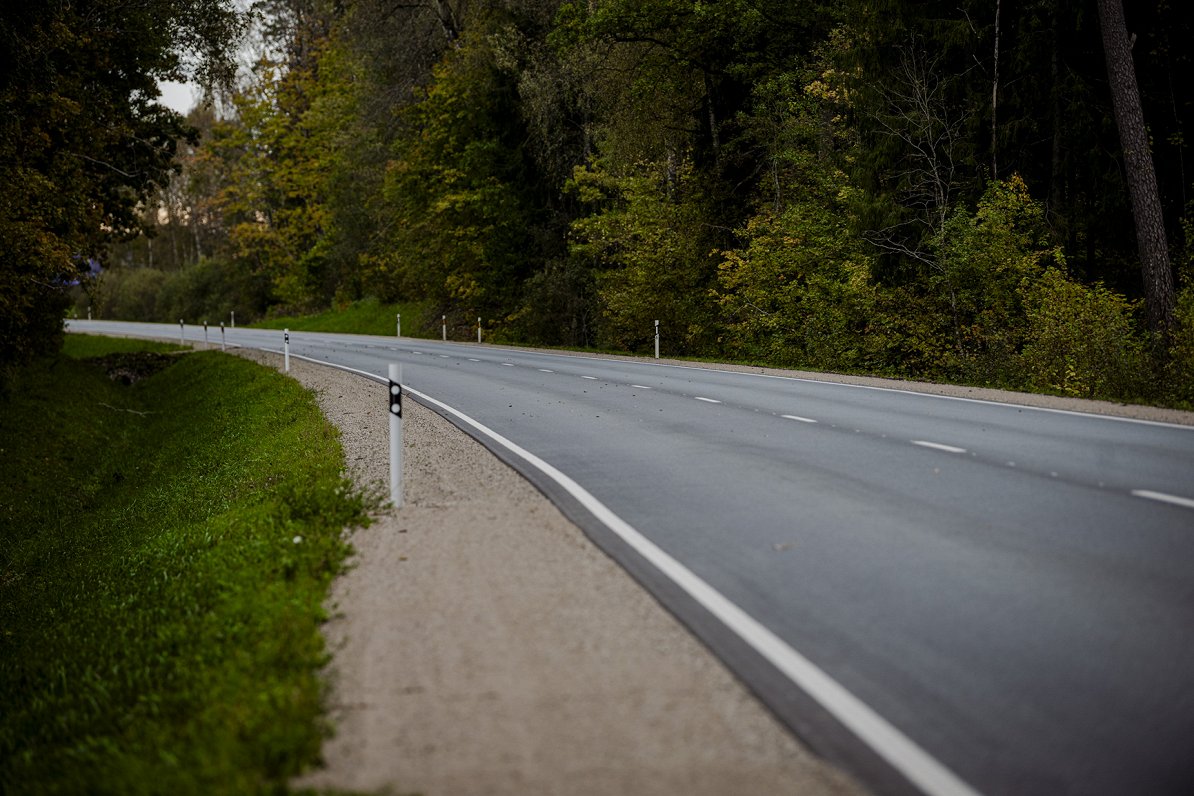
{"points": [[396, 398]]}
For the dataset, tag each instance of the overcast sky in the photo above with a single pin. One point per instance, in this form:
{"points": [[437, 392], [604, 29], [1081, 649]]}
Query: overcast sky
{"points": [[178, 96]]}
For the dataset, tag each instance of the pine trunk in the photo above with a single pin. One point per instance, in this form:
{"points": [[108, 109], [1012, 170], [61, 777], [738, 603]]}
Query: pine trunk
{"points": [[1138, 163]]}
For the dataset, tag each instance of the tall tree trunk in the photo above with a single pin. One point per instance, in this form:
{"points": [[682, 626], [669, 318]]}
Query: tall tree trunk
{"points": [[995, 98], [1055, 170], [1138, 162]]}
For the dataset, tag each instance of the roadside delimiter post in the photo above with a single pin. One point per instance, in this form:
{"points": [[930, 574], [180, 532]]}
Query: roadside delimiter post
{"points": [[399, 334], [286, 347], [205, 343], [223, 344], [657, 339], [478, 329], [182, 333], [444, 328], [396, 434]]}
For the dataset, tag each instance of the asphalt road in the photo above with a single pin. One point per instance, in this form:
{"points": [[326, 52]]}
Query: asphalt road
{"points": [[1012, 589]]}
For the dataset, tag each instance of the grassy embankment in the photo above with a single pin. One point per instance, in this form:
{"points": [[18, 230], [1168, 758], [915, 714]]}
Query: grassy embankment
{"points": [[165, 549], [368, 316]]}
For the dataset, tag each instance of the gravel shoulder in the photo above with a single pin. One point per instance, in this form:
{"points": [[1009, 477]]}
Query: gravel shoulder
{"points": [[481, 643]]}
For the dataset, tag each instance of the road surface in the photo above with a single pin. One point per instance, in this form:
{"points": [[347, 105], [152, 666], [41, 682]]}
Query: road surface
{"points": [[943, 595]]}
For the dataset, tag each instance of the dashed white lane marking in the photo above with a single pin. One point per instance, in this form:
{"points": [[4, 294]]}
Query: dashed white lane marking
{"points": [[1175, 500], [925, 772], [444, 356], [798, 418], [470, 359], [707, 400], [508, 364], [641, 386], [937, 446], [912, 761], [590, 378], [545, 370]]}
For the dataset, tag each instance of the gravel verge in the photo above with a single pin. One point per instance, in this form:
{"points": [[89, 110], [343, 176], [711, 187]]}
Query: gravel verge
{"points": [[481, 643]]}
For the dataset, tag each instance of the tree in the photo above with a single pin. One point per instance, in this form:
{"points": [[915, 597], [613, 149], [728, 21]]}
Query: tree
{"points": [[1138, 163], [456, 189], [83, 141]]}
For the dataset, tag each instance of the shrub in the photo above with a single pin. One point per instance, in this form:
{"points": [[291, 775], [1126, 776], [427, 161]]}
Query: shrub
{"points": [[131, 293], [1081, 340], [1180, 382]]}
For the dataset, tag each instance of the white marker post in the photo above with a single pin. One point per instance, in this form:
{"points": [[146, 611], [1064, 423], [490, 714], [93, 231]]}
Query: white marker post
{"points": [[88, 312], [223, 344], [286, 347], [444, 328], [657, 339], [478, 329], [396, 434], [182, 333], [399, 332], [205, 343], [233, 319]]}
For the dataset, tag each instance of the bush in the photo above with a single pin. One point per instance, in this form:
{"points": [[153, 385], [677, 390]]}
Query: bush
{"points": [[208, 290], [131, 294], [1081, 340], [1180, 384]]}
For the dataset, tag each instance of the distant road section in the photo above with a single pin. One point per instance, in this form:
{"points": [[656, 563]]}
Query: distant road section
{"points": [[989, 598]]}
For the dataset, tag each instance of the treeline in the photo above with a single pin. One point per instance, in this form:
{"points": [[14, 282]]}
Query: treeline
{"points": [[84, 146], [926, 189]]}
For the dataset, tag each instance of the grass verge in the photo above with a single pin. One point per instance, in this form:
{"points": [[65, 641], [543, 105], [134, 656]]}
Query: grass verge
{"points": [[165, 550], [368, 316]]}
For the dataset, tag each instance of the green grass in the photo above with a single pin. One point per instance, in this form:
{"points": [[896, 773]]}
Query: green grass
{"points": [[165, 550], [368, 316]]}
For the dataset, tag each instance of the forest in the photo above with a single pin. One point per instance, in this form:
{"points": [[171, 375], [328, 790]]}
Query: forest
{"points": [[932, 190]]}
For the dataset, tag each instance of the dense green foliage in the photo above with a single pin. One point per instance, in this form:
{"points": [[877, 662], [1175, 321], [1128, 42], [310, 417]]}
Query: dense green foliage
{"points": [[164, 552], [926, 189], [83, 142]]}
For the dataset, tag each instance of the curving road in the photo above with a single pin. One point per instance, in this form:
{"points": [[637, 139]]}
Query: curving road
{"points": [[953, 596]]}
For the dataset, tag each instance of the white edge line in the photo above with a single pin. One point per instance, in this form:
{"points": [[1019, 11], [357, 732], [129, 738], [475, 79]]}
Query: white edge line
{"points": [[591, 378], [888, 742], [338, 366], [922, 394], [798, 418], [1175, 500], [640, 386], [707, 400], [987, 401], [900, 751], [938, 446]]}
